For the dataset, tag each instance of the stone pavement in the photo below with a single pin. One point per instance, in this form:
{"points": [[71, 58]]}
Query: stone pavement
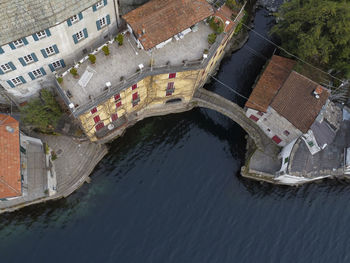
{"points": [[75, 162]]}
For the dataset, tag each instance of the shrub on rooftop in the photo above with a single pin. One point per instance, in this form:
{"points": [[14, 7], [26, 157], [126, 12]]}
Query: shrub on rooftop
{"points": [[74, 72], [211, 38], [120, 39], [105, 49], [92, 58], [216, 24]]}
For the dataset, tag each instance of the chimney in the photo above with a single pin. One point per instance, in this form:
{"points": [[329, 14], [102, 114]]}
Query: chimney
{"points": [[317, 92]]}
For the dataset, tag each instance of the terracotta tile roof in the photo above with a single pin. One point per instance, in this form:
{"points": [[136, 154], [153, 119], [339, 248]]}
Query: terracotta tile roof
{"points": [[275, 74], [295, 101], [10, 176], [162, 19]]}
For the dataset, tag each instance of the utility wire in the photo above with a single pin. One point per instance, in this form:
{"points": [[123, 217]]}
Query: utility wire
{"points": [[289, 53]]}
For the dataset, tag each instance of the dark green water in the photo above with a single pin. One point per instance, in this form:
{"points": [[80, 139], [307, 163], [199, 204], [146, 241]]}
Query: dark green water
{"points": [[170, 191]]}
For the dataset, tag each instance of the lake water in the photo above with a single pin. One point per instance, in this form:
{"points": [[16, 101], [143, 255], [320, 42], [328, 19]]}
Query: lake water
{"points": [[170, 191]]}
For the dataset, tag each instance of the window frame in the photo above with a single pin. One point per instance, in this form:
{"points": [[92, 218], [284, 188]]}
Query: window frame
{"points": [[74, 19], [99, 4], [80, 35], [27, 60], [102, 21], [37, 73], [172, 75], [50, 51], [18, 43], [59, 64], [41, 34], [16, 79], [6, 67]]}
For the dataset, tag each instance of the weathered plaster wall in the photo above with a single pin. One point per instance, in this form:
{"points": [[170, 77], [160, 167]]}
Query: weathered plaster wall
{"points": [[274, 124]]}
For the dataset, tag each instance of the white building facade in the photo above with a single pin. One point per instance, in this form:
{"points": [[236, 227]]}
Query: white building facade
{"points": [[31, 61]]}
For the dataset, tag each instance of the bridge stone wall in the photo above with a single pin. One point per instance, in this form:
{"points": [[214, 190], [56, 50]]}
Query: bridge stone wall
{"points": [[210, 100]]}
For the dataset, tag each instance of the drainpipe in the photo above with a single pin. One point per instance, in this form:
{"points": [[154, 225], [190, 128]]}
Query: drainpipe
{"points": [[116, 11]]}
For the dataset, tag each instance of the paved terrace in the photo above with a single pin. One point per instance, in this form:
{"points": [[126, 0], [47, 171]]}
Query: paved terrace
{"points": [[123, 61]]}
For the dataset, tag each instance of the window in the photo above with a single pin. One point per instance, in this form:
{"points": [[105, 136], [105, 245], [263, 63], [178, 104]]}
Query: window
{"points": [[18, 43], [286, 160], [102, 22], [254, 118], [170, 89], [41, 34], [134, 87], [94, 110], [114, 117], [260, 113], [99, 126], [97, 119], [286, 133], [74, 19], [276, 139], [79, 35], [37, 73], [28, 59], [172, 75], [50, 51], [57, 64], [16, 81], [6, 67], [117, 97], [135, 99], [119, 104], [310, 143], [99, 5]]}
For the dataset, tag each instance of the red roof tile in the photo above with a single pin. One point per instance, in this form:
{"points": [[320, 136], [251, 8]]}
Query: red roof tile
{"points": [[10, 176], [275, 74], [296, 102], [159, 20]]}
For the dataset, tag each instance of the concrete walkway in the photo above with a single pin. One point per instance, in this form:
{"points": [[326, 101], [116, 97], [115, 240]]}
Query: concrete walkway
{"points": [[75, 162]]}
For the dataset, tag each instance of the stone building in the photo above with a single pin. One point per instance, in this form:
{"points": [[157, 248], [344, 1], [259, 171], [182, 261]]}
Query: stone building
{"points": [[39, 38], [287, 105], [164, 58], [22, 159]]}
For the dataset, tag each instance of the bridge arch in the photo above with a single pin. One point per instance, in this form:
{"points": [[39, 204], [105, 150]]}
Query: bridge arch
{"points": [[207, 99]]}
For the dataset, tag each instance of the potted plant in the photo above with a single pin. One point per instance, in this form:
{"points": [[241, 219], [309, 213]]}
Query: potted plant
{"points": [[120, 39], [59, 80], [105, 49], [74, 72], [92, 58]]}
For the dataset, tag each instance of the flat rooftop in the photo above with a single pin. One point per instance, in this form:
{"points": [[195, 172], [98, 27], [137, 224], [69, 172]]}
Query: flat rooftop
{"points": [[123, 61]]}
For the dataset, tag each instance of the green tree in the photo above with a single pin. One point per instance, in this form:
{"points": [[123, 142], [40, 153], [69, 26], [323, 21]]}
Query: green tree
{"points": [[43, 112], [317, 31]]}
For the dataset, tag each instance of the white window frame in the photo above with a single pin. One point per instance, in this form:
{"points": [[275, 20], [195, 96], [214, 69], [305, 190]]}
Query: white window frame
{"points": [[74, 19], [16, 81], [56, 64], [102, 21], [99, 4], [6, 67], [80, 35], [50, 51], [28, 59], [41, 34], [37, 73], [18, 43]]}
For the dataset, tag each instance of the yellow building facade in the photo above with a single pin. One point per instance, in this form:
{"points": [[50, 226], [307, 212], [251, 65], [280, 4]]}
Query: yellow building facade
{"points": [[153, 91]]}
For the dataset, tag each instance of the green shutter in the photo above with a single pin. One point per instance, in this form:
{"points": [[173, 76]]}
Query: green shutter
{"points": [[108, 18]]}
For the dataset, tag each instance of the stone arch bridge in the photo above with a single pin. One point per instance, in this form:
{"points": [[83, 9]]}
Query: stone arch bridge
{"points": [[207, 99]]}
